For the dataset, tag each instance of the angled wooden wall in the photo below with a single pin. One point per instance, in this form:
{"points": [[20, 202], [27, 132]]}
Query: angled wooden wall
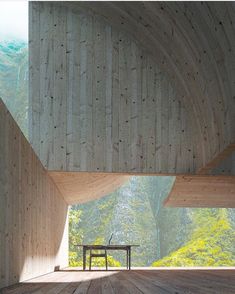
{"points": [[99, 102], [33, 214]]}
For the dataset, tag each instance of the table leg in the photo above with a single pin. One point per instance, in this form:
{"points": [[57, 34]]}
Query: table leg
{"points": [[106, 260], [129, 258], [84, 259]]}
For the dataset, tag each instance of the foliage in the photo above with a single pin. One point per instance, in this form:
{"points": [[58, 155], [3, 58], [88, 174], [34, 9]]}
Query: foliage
{"points": [[211, 243], [172, 236], [76, 237], [75, 234], [97, 262], [14, 80]]}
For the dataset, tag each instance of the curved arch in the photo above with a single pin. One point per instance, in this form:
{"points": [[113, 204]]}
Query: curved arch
{"points": [[196, 42], [127, 49]]}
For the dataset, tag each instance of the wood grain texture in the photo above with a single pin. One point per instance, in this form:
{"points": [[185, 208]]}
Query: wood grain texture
{"points": [[138, 281], [222, 163], [33, 213], [202, 191], [194, 43], [79, 187], [226, 167], [122, 112]]}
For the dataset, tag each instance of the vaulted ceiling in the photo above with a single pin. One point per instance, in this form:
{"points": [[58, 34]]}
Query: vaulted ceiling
{"points": [[132, 86], [194, 42]]}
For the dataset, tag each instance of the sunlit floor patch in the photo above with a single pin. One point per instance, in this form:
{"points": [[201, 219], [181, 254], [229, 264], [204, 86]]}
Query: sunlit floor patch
{"points": [[136, 281]]}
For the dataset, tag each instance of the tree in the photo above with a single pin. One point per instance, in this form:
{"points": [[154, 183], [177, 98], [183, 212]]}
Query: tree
{"points": [[75, 235], [211, 243]]}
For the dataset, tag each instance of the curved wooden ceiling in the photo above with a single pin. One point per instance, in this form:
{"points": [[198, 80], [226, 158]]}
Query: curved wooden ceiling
{"points": [[194, 43], [83, 187]]}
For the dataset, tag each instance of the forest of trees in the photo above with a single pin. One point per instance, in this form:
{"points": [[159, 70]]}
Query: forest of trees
{"points": [[167, 236], [134, 213], [14, 80]]}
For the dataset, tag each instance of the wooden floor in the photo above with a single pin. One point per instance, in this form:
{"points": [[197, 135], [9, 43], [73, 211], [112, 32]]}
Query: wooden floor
{"points": [[135, 281]]}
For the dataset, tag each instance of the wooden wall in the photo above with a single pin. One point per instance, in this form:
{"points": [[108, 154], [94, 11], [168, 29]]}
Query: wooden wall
{"points": [[194, 44], [99, 101], [143, 87], [33, 214], [226, 167]]}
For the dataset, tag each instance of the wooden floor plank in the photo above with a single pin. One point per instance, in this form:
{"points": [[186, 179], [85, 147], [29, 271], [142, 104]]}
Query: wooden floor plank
{"points": [[117, 285], [71, 287], [82, 288], [172, 283], [176, 283], [95, 287], [130, 286], [144, 285], [163, 287], [106, 286], [22, 289], [149, 281]]}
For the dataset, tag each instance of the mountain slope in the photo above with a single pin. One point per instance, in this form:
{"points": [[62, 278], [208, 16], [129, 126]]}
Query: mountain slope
{"points": [[14, 80]]}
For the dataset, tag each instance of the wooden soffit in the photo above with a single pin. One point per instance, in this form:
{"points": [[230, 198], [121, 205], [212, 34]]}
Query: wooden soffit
{"points": [[202, 191], [80, 187], [215, 162]]}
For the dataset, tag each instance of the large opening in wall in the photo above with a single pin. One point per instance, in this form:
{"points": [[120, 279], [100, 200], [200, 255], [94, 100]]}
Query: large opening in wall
{"points": [[134, 213], [14, 60]]}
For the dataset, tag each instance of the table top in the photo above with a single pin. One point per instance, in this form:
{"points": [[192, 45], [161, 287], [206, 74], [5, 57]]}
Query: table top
{"points": [[110, 246]]}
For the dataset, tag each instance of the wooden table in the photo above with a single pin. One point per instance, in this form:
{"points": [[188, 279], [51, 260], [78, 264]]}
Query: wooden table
{"points": [[126, 248]]}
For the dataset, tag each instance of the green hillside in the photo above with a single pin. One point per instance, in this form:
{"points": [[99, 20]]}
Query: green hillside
{"points": [[167, 236], [211, 242], [14, 80]]}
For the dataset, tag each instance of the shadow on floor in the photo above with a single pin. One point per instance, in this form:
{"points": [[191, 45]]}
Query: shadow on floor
{"points": [[134, 281]]}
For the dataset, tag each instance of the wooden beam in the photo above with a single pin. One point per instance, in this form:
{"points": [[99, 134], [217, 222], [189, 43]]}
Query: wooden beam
{"points": [[202, 191], [217, 160], [80, 187]]}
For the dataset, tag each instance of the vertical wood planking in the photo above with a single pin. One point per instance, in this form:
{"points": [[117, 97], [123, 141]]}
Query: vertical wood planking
{"points": [[112, 108], [115, 101], [158, 120], [60, 87], [46, 83], [108, 95], [70, 55], [139, 154], [127, 145], [134, 107], [124, 49], [144, 114], [14, 150], [89, 95], [34, 76], [75, 85], [151, 123], [3, 192], [174, 126], [28, 195], [99, 98], [83, 90], [165, 123]]}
